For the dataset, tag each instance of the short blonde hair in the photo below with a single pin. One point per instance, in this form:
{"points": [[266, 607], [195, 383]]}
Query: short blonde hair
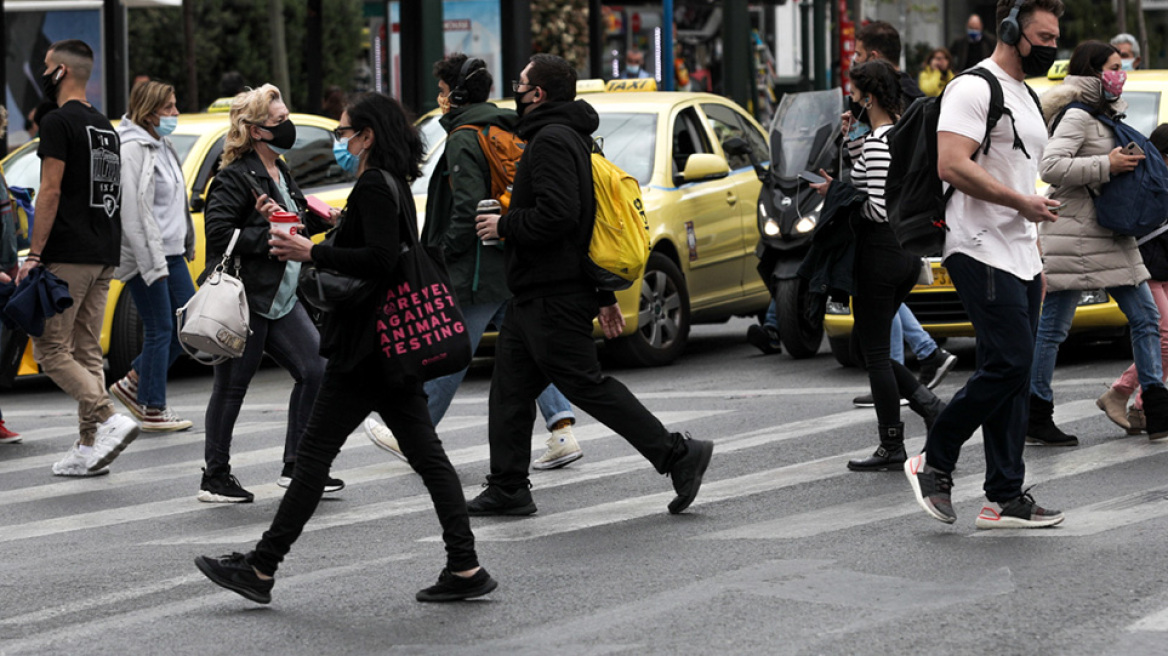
{"points": [[250, 107], [147, 99]]}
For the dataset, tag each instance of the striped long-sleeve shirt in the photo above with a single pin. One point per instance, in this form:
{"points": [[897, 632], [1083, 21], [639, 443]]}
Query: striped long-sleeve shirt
{"points": [[871, 171]]}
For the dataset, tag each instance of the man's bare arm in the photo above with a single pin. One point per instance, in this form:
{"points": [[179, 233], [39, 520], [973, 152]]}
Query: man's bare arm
{"points": [[956, 166]]}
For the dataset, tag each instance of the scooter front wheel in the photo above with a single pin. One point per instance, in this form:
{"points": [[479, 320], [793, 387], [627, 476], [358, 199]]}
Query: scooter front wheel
{"points": [[800, 336]]}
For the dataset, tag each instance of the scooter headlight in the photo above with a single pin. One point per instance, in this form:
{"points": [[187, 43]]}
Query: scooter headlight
{"points": [[805, 225], [770, 228]]}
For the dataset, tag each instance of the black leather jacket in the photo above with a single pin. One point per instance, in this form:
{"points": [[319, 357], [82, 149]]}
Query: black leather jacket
{"points": [[230, 205]]}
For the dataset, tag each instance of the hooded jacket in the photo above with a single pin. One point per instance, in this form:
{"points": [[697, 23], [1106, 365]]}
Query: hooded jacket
{"points": [[1077, 252], [461, 179], [142, 251], [549, 225]]}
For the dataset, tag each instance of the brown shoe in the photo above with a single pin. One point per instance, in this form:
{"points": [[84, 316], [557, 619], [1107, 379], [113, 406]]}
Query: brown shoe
{"points": [[1136, 421], [1114, 404]]}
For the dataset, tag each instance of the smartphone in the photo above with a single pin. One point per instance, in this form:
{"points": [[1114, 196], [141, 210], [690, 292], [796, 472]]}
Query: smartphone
{"points": [[811, 178], [1133, 149], [1055, 209]]}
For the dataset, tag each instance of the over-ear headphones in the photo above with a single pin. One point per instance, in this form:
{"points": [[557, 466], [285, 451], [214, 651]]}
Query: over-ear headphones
{"points": [[1009, 31], [459, 95]]}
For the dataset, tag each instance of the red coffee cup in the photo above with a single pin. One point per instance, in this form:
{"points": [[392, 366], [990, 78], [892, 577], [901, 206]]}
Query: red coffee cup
{"points": [[285, 222]]}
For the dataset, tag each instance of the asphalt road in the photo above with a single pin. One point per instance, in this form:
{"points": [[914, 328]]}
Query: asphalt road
{"points": [[784, 551]]}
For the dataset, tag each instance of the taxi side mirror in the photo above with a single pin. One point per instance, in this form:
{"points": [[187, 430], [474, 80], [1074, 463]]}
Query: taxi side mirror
{"points": [[705, 166]]}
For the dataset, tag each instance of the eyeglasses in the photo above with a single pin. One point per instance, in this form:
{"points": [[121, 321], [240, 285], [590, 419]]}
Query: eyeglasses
{"points": [[340, 130], [515, 84]]}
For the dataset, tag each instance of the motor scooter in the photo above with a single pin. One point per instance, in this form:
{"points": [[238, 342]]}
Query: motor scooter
{"points": [[805, 137]]}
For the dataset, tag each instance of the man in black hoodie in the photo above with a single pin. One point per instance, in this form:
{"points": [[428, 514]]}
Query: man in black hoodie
{"points": [[548, 333]]}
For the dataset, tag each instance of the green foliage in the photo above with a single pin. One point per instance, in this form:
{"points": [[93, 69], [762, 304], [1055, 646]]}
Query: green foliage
{"points": [[560, 27], [232, 35]]}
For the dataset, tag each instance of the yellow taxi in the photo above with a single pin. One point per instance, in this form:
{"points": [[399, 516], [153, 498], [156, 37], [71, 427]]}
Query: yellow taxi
{"points": [[700, 202], [937, 306], [199, 142]]}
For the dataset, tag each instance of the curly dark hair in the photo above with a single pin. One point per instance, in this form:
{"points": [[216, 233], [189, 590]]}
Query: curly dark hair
{"points": [[880, 80], [554, 75], [397, 146], [478, 82]]}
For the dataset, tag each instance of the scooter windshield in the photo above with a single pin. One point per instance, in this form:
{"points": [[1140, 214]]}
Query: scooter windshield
{"points": [[804, 126]]}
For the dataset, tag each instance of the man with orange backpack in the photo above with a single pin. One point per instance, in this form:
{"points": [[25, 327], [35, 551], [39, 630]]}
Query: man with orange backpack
{"points": [[478, 163]]}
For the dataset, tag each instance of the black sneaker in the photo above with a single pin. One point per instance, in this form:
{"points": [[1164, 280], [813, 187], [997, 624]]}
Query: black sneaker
{"points": [[1019, 512], [687, 472], [234, 573], [330, 484], [935, 367], [451, 587], [931, 487], [223, 488], [866, 401], [495, 501], [764, 338]]}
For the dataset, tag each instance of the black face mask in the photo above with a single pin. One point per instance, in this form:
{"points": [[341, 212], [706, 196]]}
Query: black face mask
{"points": [[283, 135], [859, 112], [51, 86], [1040, 59], [521, 105]]}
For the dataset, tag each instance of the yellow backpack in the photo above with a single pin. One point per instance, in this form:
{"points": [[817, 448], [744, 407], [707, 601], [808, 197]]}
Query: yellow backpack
{"points": [[620, 237]]}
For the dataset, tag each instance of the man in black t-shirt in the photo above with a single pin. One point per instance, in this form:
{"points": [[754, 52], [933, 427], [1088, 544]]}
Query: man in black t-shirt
{"points": [[77, 237]]}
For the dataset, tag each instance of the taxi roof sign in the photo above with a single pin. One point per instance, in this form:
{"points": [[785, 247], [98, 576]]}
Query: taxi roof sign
{"points": [[1058, 70], [589, 86], [639, 84], [220, 106]]}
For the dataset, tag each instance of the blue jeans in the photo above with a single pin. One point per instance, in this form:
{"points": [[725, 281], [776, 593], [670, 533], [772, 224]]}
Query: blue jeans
{"points": [[1059, 309], [772, 315], [552, 404], [1004, 311], [160, 347], [905, 327]]}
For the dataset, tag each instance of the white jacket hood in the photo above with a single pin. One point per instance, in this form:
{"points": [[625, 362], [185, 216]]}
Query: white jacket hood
{"points": [[130, 131]]}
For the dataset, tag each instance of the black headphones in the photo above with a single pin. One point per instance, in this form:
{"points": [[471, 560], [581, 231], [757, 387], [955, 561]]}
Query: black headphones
{"points": [[459, 95], [1009, 31]]}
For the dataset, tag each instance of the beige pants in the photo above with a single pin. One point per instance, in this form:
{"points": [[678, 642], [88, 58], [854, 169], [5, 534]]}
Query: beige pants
{"points": [[70, 349]]}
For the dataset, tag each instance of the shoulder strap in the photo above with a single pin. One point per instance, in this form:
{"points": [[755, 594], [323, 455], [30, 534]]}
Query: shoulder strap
{"points": [[1086, 108], [1152, 235], [412, 225]]}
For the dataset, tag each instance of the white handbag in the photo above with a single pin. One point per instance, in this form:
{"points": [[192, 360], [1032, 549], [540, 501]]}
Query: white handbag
{"points": [[215, 320]]}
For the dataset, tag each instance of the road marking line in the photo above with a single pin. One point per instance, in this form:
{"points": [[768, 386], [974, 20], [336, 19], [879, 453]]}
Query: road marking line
{"points": [[1155, 622]]}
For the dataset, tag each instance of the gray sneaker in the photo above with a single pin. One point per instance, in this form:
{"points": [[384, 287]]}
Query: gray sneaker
{"points": [[932, 488], [1019, 512]]}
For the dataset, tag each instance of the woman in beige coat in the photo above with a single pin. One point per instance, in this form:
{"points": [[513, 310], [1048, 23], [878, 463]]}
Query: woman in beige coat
{"points": [[1078, 254]]}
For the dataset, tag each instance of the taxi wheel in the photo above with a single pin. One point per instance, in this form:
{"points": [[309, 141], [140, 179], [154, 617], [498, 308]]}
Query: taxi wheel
{"points": [[125, 342], [841, 348], [801, 337], [662, 318]]}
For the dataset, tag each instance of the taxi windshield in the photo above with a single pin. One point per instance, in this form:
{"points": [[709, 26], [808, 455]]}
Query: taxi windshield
{"points": [[629, 141], [1143, 110], [804, 125]]}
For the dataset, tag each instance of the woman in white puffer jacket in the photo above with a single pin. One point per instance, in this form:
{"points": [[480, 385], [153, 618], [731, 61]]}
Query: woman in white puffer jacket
{"points": [[1078, 254]]}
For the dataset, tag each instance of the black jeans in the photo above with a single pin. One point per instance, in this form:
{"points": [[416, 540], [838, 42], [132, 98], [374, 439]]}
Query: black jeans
{"points": [[1004, 311], [550, 340], [885, 274], [294, 343], [345, 399]]}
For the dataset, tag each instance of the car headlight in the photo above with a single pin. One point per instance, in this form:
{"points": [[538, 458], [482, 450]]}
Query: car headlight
{"points": [[805, 225], [835, 307], [770, 228], [1093, 297]]}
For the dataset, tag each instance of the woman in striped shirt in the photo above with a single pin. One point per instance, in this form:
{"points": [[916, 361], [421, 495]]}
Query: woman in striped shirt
{"points": [[884, 272]]}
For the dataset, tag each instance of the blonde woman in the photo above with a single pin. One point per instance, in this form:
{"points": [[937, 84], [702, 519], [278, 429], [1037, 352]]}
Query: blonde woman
{"points": [[158, 239], [252, 184]]}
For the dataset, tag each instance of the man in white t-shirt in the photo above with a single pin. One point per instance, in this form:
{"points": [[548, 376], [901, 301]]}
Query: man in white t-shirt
{"points": [[991, 252]]}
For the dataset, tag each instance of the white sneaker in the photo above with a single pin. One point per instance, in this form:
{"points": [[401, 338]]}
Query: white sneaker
{"points": [[163, 420], [561, 450], [76, 465], [382, 438], [113, 435]]}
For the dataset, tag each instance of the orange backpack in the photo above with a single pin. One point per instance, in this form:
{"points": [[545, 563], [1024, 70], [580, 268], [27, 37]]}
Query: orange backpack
{"points": [[502, 150]]}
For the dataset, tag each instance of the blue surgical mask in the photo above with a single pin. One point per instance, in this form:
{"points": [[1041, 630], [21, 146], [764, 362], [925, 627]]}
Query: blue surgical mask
{"points": [[166, 125], [348, 162], [974, 35], [634, 70], [1128, 64]]}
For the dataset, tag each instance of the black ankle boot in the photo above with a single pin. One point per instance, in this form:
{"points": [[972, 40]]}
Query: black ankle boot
{"points": [[1040, 428], [1156, 412], [927, 405], [890, 454]]}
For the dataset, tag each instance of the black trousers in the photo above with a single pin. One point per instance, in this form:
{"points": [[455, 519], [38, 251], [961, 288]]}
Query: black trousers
{"points": [[885, 274], [345, 399], [549, 340], [1004, 310]]}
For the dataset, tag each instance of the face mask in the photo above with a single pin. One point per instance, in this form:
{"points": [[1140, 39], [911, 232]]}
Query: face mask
{"points": [[444, 102], [1128, 64], [633, 70], [1113, 83], [860, 126], [1039, 60], [521, 105], [166, 125], [50, 85], [348, 162], [974, 35], [283, 136]]}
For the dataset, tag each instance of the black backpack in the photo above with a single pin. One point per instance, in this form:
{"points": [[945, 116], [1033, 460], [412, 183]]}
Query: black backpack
{"points": [[913, 192]]}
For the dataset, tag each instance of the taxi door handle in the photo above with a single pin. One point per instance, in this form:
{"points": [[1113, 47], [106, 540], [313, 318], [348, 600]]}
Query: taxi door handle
{"points": [[731, 198]]}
